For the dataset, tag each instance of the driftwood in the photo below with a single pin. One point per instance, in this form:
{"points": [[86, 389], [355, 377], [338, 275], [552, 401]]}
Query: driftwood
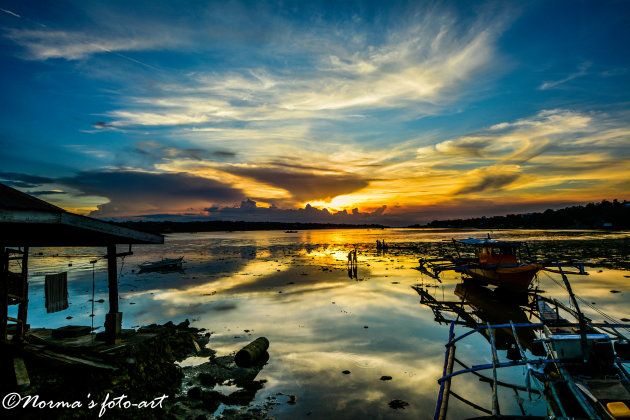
{"points": [[21, 374]]}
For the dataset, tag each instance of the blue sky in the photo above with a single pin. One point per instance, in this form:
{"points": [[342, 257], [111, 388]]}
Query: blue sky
{"points": [[386, 112]]}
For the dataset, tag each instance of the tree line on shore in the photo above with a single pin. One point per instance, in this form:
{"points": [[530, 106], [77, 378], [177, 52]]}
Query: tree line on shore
{"points": [[605, 215]]}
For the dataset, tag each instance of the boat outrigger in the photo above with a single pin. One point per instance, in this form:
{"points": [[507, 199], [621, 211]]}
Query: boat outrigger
{"points": [[498, 263], [163, 264], [583, 373], [589, 378]]}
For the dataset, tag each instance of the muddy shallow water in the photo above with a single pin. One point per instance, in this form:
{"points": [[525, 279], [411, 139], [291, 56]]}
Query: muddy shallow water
{"points": [[295, 289]]}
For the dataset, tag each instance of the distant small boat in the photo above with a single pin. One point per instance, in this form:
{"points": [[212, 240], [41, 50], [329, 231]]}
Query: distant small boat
{"points": [[290, 231], [163, 264]]}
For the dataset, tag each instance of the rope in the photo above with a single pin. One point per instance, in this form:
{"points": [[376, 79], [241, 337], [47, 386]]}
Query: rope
{"points": [[585, 302], [122, 264]]}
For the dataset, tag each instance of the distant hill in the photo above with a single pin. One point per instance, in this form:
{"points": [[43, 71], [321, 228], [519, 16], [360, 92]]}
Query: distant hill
{"points": [[604, 215]]}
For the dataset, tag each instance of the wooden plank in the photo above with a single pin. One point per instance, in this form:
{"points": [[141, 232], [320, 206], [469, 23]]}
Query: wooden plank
{"points": [[21, 374], [29, 216], [43, 353]]}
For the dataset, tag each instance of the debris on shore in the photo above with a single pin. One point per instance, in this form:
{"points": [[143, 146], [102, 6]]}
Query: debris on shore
{"points": [[72, 365]]}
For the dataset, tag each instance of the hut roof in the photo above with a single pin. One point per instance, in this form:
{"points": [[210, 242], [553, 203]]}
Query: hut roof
{"points": [[29, 221]]}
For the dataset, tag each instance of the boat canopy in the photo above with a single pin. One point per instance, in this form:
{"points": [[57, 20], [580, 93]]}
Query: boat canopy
{"points": [[487, 242]]}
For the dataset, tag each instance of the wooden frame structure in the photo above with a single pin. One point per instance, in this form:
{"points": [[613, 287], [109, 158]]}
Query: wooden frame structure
{"points": [[26, 221]]}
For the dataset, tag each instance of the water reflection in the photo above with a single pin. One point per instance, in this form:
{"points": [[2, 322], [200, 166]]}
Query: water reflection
{"points": [[299, 291]]}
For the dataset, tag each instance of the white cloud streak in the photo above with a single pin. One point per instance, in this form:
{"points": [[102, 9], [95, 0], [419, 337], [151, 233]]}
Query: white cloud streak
{"points": [[46, 44], [582, 71], [332, 70], [11, 13], [405, 71]]}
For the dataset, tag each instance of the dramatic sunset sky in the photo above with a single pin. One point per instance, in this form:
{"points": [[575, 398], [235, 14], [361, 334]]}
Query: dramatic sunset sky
{"points": [[386, 112]]}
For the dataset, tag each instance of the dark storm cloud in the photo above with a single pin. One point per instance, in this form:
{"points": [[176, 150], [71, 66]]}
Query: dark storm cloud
{"points": [[24, 180], [132, 192], [304, 186], [151, 153], [490, 182]]}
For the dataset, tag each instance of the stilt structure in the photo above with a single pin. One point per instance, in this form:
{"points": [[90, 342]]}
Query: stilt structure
{"points": [[26, 221], [14, 285]]}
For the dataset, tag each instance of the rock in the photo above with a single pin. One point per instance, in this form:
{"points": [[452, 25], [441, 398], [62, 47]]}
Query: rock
{"points": [[207, 379], [211, 400], [194, 393], [615, 291]]}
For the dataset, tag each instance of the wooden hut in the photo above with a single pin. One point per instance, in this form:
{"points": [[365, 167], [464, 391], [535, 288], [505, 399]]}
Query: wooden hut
{"points": [[26, 221]]}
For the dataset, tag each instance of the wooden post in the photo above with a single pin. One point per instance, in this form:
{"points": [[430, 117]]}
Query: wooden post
{"points": [[4, 292], [23, 305], [113, 320]]}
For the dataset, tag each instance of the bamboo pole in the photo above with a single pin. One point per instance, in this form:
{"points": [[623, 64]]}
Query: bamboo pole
{"points": [[496, 411]]}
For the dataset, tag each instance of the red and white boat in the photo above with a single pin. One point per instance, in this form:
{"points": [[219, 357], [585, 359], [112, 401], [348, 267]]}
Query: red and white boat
{"points": [[494, 262]]}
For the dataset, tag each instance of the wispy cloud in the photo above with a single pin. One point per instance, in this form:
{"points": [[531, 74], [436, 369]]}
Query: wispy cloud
{"points": [[43, 44], [418, 67], [10, 13], [533, 154], [582, 71]]}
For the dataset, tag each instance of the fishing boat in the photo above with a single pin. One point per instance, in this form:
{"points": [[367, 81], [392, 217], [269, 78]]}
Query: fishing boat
{"points": [[589, 378], [579, 367], [163, 264], [494, 262], [504, 323], [583, 375]]}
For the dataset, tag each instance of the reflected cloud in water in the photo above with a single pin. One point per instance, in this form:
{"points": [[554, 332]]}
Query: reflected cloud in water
{"points": [[320, 315]]}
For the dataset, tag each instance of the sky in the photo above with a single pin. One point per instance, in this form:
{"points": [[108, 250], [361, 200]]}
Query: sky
{"points": [[386, 112]]}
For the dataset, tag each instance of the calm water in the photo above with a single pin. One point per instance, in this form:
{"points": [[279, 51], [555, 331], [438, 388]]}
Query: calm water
{"points": [[294, 288]]}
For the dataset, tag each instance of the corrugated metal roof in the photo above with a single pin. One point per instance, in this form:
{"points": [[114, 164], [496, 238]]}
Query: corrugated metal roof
{"points": [[29, 221]]}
